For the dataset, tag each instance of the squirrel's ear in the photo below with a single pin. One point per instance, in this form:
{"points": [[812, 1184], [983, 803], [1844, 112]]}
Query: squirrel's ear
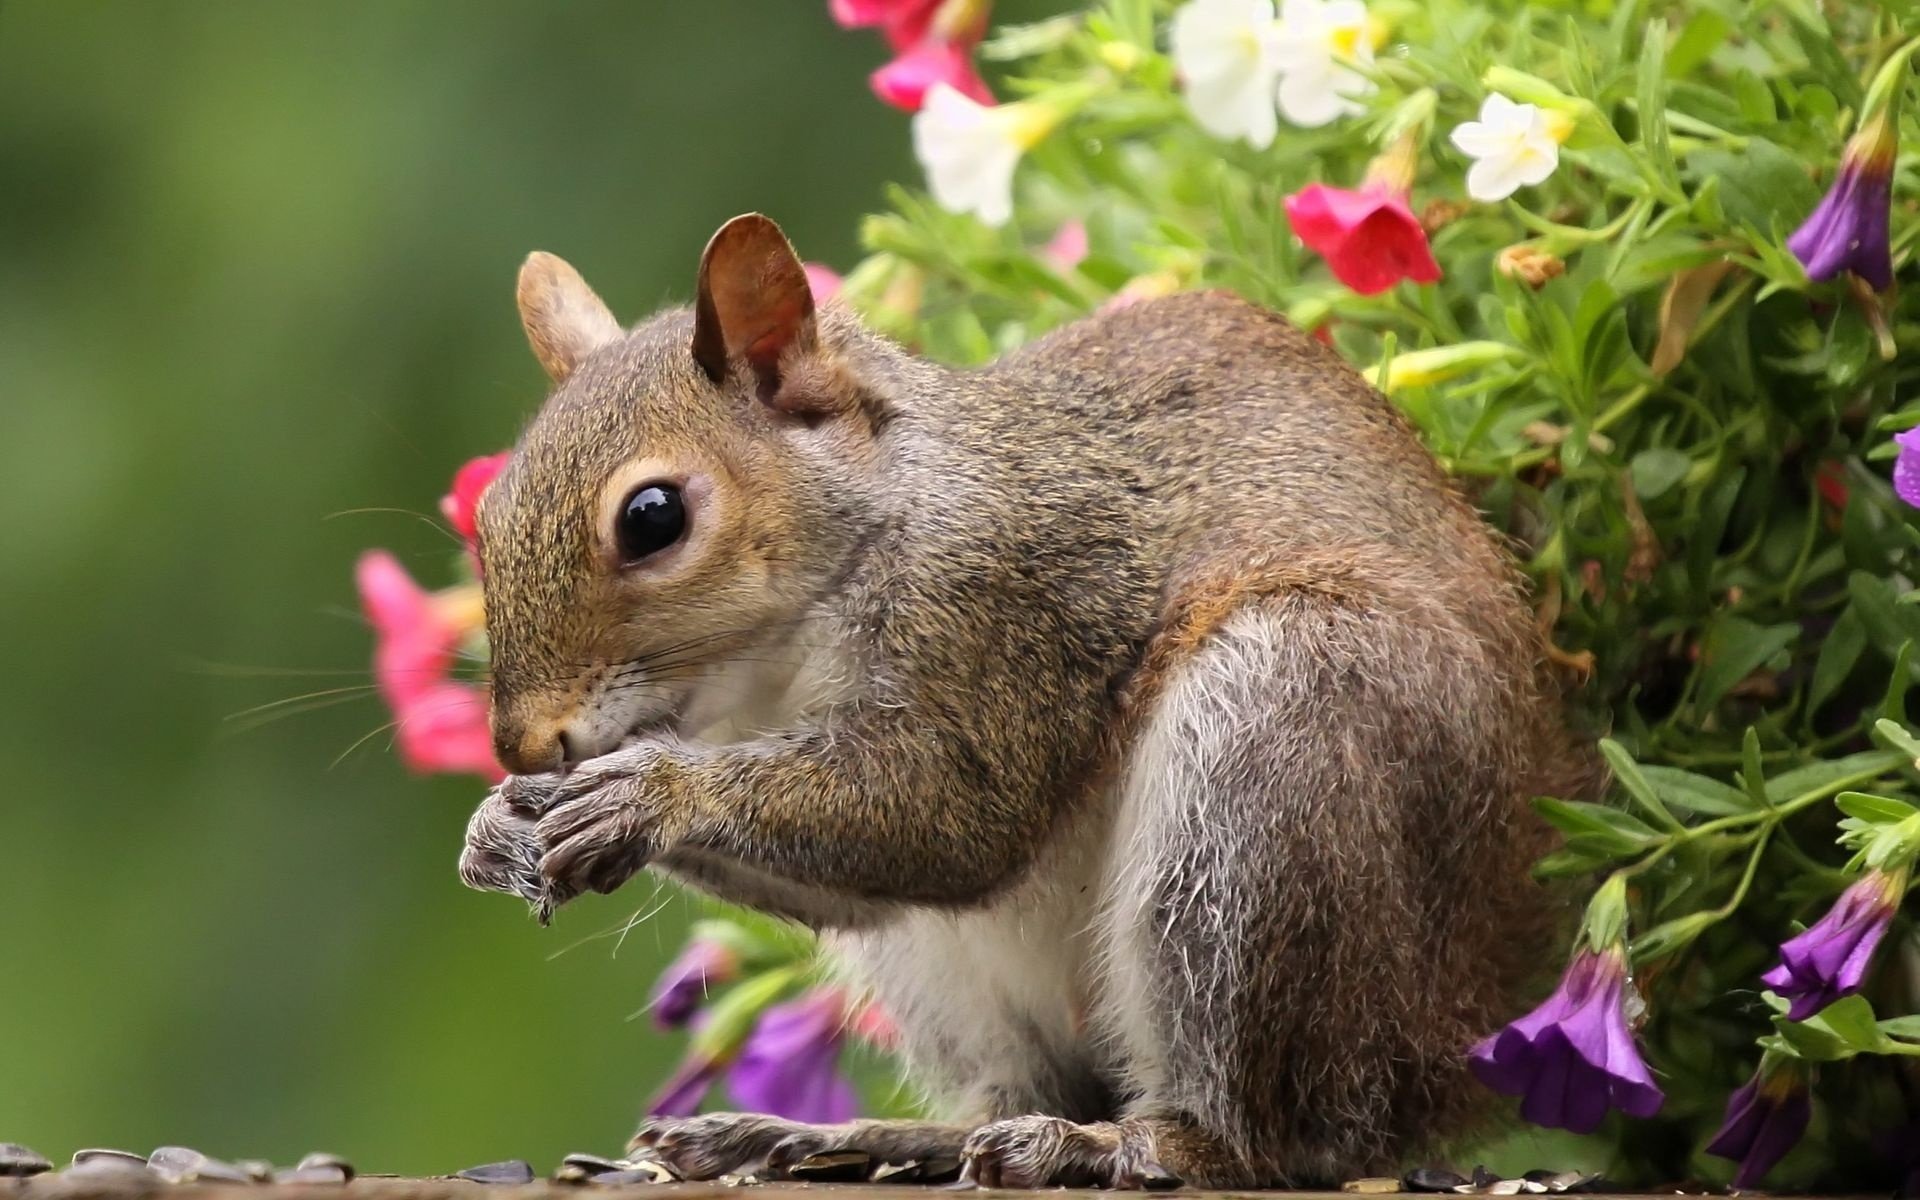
{"points": [[565, 321], [753, 303]]}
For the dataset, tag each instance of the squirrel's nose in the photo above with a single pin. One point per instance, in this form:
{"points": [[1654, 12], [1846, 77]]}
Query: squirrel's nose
{"points": [[540, 750]]}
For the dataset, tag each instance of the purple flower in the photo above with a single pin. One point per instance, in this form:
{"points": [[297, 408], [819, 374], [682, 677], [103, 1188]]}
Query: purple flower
{"points": [[789, 1066], [1906, 468], [1830, 960], [1848, 229], [1573, 1058], [681, 1095], [1764, 1120], [682, 987]]}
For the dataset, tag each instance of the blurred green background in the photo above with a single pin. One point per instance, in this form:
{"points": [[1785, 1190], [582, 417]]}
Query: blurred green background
{"points": [[256, 267]]}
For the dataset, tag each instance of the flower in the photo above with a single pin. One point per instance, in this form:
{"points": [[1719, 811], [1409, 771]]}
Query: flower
{"points": [[1906, 468], [1067, 248], [1512, 146], [469, 482], [823, 281], [969, 149], [683, 985], [1847, 231], [439, 724], [1315, 40], [1830, 959], [684, 1091], [903, 22], [1765, 1118], [1224, 52], [904, 82], [1369, 237], [1573, 1057], [1529, 264], [789, 1066]]}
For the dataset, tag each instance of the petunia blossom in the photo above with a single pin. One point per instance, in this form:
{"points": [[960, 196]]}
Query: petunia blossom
{"points": [[440, 724], [683, 986], [1573, 1058], [823, 281], [1830, 960], [685, 1090], [1849, 229], [790, 1064], [460, 503], [904, 22], [905, 81], [1369, 237], [1512, 146], [969, 150], [1765, 1119], [1224, 53], [1312, 49], [1906, 468]]}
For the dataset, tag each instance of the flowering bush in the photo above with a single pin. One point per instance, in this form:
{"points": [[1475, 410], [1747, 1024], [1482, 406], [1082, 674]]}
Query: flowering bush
{"points": [[1631, 269]]}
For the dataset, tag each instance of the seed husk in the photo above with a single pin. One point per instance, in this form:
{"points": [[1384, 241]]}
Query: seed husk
{"points": [[1432, 1179], [512, 1170], [844, 1166], [322, 1173], [19, 1162], [1371, 1187], [128, 1158], [321, 1159]]}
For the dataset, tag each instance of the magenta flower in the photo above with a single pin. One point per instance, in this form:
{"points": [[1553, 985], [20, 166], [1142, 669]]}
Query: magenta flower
{"points": [[905, 82], [823, 281], [440, 722], [682, 1094], [1830, 959], [1906, 468], [1765, 1119], [790, 1066], [462, 501], [1370, 238], [1848, 229], [682, 987], [1573, 1058]]}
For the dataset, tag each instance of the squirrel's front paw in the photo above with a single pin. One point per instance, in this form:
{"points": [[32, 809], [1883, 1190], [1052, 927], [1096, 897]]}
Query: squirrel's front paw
{"points": [[502, 852], [610, 817]]}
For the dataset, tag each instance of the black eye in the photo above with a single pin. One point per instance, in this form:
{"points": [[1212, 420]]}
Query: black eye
{"points": [[653, 519]]}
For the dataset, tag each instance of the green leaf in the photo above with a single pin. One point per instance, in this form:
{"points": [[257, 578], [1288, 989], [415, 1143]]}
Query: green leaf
{"points": [[1845, 643], [1657, 469], [1733, 649], [1698, 39], [1895, 736], [1697, 793], [1874, 810], [1596, 825], [1627, 774], [1902, 1027], [1763, 188], [1820, 776], [1852, 1021], [1709, 526], [1889, 625], [1812, 1042]]}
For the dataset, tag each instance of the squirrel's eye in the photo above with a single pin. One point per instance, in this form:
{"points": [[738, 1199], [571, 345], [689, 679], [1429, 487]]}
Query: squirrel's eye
{"points": [[653, 519]]}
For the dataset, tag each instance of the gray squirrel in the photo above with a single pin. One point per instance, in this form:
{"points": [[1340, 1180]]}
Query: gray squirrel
{"points": [[1142, 717]]}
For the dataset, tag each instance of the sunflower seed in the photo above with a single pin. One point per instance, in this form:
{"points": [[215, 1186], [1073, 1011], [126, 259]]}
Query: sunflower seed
{"points": [[513, 1170], [324, 1173], [578, 1168], [626, 1176], [322, 1160], [212, 1170], [125, 1158], [1507, 1187], [848, 1166], [18, 1162], [175, 1164], [1371, 1187], [1431, 1179]]}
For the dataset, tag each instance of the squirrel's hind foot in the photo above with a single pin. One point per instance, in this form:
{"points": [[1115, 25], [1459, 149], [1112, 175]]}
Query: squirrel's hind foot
{"points": [[1041, 1152], [716, 1144]]}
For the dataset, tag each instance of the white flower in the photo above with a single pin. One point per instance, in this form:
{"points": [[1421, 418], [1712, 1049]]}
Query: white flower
{"points": [[1512, 146], [1316, 40], [969, 150], [1223, 50]]}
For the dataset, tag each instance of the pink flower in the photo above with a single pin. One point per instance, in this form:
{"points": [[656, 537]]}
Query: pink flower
{"points": [[440, 724], [1068, 248], [903, 22], [459, 505], [904, 82], [1369, 237], [824, 281]]}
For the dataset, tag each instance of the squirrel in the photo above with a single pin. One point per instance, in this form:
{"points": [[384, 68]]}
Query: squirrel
{"points": [[1142, 717]]}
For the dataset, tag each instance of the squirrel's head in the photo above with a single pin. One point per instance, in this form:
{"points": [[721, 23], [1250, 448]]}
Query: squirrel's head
{"points": [[688, 489]]}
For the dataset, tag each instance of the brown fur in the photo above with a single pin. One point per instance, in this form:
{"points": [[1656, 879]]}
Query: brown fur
{"points": [[1164, 627]]}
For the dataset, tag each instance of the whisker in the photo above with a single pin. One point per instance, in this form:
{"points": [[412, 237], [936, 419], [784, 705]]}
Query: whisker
{"points": [[449, 534]]}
